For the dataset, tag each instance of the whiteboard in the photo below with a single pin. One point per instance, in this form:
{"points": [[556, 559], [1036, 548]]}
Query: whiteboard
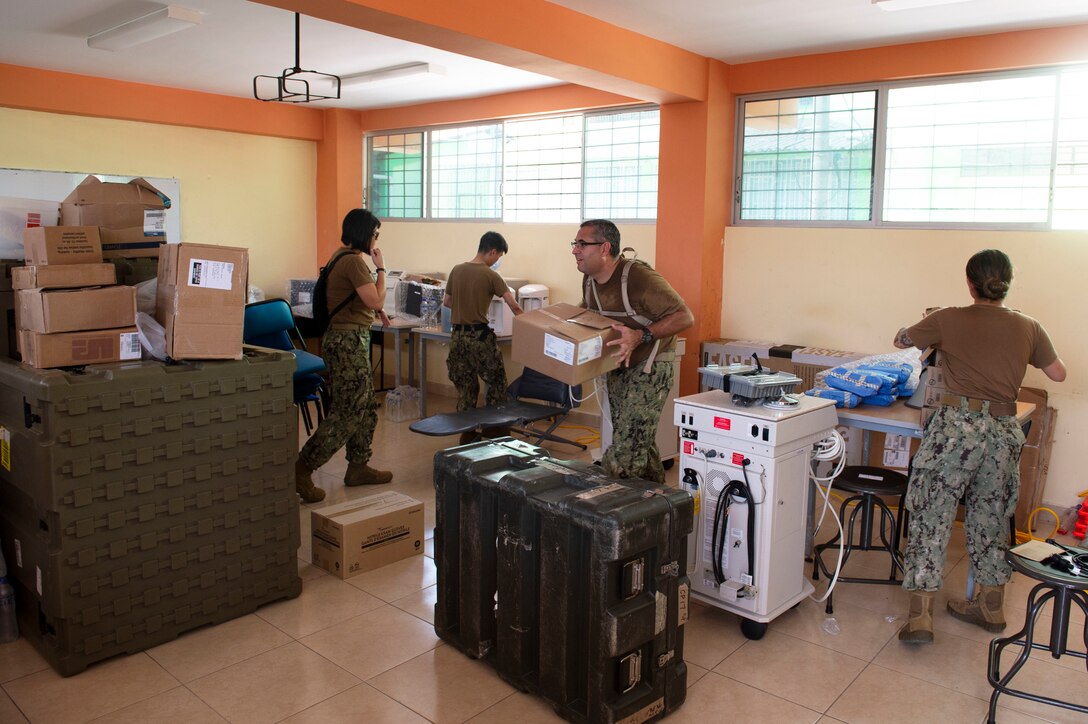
{"points": [[56, 185]]}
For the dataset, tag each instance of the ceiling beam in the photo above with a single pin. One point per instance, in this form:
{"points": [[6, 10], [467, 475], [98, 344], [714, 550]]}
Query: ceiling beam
{"points": [[531, 35]]}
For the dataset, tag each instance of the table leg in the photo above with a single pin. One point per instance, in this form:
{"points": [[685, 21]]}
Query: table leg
{"points": [[396, 355], [411, 360], [422, 376]]}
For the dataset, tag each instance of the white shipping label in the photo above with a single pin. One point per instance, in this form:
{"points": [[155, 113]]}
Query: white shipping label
{"points": [[896, 451], [559, 349], [130, 345], [590, 349], [154, 222], [211, 274]]}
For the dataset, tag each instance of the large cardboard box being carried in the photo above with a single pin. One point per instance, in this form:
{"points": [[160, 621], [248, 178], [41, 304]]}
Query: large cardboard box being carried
{"points": [[75, 310], [200, 300], [67, 349], [132, 215], [565, 342], [62, 245], [367, 533]]}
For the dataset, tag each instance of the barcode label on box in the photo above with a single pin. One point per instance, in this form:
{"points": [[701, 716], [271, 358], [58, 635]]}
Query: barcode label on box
{"points": [[559, 349], [130, 345], [590, 349], [211, 274], [154, 222]]}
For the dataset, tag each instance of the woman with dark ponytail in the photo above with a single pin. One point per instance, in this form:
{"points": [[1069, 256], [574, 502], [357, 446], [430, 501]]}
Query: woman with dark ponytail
{"points": [[352, 415], [971, 445]]}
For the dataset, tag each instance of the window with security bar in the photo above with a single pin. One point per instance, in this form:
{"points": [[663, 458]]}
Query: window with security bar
{"points": [[986, 151]]}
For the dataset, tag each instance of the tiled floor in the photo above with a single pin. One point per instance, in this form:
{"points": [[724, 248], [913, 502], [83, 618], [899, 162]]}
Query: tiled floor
{"points": [[364, 650]]}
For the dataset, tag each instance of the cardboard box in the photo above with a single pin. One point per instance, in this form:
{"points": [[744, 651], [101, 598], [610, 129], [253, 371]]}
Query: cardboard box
{"points": [[67, 349], [132, 215], [367, 533], [17, 215], [56, 276], [63, 245], [201, 299], [75, 310], [565, 342]]}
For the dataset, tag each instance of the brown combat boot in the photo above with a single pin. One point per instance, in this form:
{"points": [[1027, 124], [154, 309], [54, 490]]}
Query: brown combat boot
{"points": [[304, 484], [365, 475], [985, 609], [919, 626]]}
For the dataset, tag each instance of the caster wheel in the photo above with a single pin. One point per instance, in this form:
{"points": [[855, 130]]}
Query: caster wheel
{"points": [[752, 630], [667, 464]]}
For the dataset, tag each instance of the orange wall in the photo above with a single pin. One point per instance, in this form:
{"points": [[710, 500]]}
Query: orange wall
{"points": [[1001, 51]]}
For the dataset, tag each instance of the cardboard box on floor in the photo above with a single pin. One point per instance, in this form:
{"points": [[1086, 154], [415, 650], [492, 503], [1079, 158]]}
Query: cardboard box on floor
{"points": [[132, 215], [62, 245], [200, 300], [57, 276], [565, 342], [67, 349], [76, 310], [367, 533]]}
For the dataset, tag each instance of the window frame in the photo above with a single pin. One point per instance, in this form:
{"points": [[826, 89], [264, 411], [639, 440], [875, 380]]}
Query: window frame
{"points": [[426, 182], [880, 135]]}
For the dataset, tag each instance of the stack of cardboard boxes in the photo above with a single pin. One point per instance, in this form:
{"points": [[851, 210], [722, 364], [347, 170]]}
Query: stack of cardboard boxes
{"points": [[68, 308]]}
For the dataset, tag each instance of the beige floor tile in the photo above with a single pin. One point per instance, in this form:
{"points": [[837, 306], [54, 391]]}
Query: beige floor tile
{"points": [[710, 635], [771, 665], [518, 707], [19, 658], [695, 672], [209, 649], [444, 685], [398, 579], [273, 685], [374, 642], [428, 546], [879, 696], [829, 720], [46, 696], [862, 632], [308, 571], [952, 662], [713, 698], [1046, 679], [362, 703], [177, 706], [324, 602], [420, 604], [9, 713]]}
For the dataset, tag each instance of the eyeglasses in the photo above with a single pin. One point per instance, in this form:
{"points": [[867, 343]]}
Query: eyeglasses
{"points": [[584, 244]]}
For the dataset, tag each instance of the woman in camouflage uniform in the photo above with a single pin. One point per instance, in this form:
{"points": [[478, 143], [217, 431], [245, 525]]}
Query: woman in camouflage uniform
{"points": [[352, 415], [971, 445]]}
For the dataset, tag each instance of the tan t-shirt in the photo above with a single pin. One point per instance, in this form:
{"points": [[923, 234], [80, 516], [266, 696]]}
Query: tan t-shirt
{"points": [[986, 348], [650, 295], [471, 288], [349, 274]]}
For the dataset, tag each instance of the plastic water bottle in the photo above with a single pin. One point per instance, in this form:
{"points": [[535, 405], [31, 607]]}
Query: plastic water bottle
{"points": [[9, 628]]}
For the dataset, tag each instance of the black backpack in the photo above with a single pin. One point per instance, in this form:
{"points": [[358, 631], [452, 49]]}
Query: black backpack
{"points": [[321, 313]]}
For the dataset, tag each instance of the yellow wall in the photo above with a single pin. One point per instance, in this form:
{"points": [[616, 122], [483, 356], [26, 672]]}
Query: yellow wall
{"points": [[852, 289], [236, 189]]}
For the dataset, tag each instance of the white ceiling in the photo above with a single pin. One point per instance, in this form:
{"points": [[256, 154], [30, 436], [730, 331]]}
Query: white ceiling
{"points": [[238, 40]]}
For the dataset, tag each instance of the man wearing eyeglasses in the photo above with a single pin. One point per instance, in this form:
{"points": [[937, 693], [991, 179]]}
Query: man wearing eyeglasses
{"points": [[648, 314]]}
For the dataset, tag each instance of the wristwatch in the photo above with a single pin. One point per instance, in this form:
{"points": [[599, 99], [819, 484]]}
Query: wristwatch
{"points": [[647, 336]]}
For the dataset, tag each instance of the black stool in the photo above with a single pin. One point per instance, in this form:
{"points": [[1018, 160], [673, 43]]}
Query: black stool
{"points": [[1064, 590], [868, 484]]}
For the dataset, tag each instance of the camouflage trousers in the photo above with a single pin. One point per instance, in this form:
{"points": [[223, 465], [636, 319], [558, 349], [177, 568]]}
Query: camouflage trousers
{"points": [[352, 415], [474, 355], [963, 453], [636, 399]]}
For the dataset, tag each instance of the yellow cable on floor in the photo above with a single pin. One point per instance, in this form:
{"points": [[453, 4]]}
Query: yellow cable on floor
{"points": [[1025, 536]]}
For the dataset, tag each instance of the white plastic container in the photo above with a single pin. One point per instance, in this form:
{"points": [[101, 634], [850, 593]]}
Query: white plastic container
{"points": [[533, 296]]}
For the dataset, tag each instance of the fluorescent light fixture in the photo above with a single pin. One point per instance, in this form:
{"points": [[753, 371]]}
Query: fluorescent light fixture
{"points": [[393, 74], [912, 4], [151, 26]]}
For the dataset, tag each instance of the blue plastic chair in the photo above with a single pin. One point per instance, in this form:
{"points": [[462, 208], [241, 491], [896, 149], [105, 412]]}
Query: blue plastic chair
{"points": [[270, 323]]}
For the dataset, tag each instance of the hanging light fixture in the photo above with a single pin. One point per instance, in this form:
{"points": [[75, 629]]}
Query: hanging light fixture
{"points": [[295, 85]]}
